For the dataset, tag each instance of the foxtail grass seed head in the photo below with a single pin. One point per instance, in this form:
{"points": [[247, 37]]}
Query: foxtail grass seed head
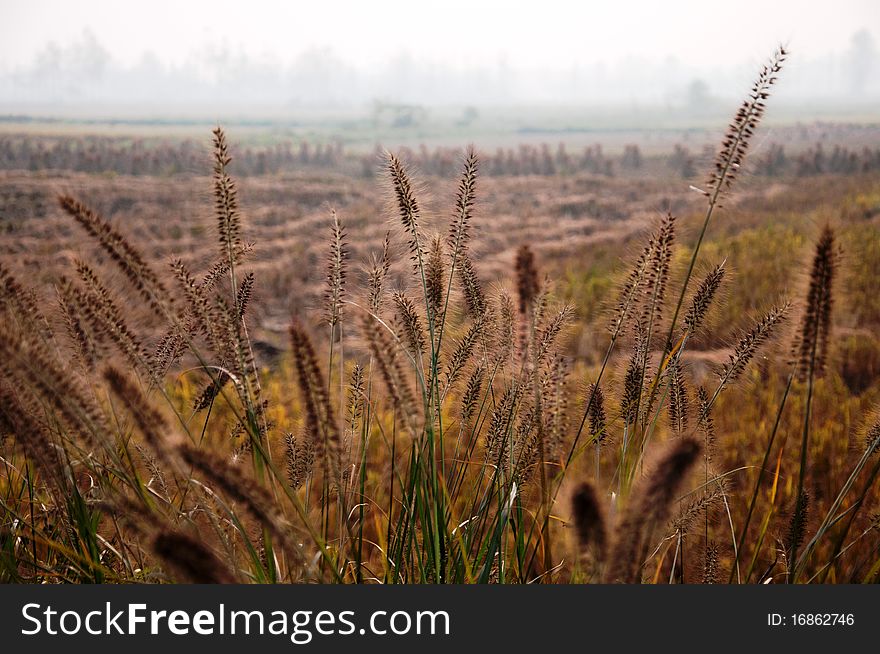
{"points": [[555, 388], [588, 520], [377, 275], [731, 157], [702, 300], [797, 524], [435, 281], [392, 372], [300, 457], [410, 324], [189, 560], [475, 297], [657, 272], [336, 272], [243, 297], [633, 286], [678, 398], [471, 397], [23, 303], [158, 481], [706, 423], [206, 318], [231, 481], [80, 334], [460, 227], [498, 435], [633, 380], [463, 352], [872, 438], [811, 342], [750, 342], [710, 564], [596, 413], [321, 420], [521, 465], [407, 206], [693, 511], [504, 329], [548, 336], [150, 422], [649, 508], [140, 274], [206, 398], [99, 307], [355, 404], [33, 435], [225, 199], [527, 283], [28, 363], [214, 274]]}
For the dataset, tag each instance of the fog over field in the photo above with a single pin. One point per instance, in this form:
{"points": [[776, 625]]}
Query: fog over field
{"points": [[283, 59]]}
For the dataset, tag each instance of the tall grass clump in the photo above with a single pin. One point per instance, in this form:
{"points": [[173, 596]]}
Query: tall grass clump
{"points": [[425, 425]]}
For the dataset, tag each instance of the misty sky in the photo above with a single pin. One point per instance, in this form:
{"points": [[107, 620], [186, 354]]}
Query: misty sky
{"points": [[64, 50], [546, 33]]}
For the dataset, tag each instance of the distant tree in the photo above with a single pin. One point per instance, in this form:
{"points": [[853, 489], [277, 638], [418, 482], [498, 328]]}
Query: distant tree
{"points": [[632, 157], [468, 116], [861, 60], [697, 94]]}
